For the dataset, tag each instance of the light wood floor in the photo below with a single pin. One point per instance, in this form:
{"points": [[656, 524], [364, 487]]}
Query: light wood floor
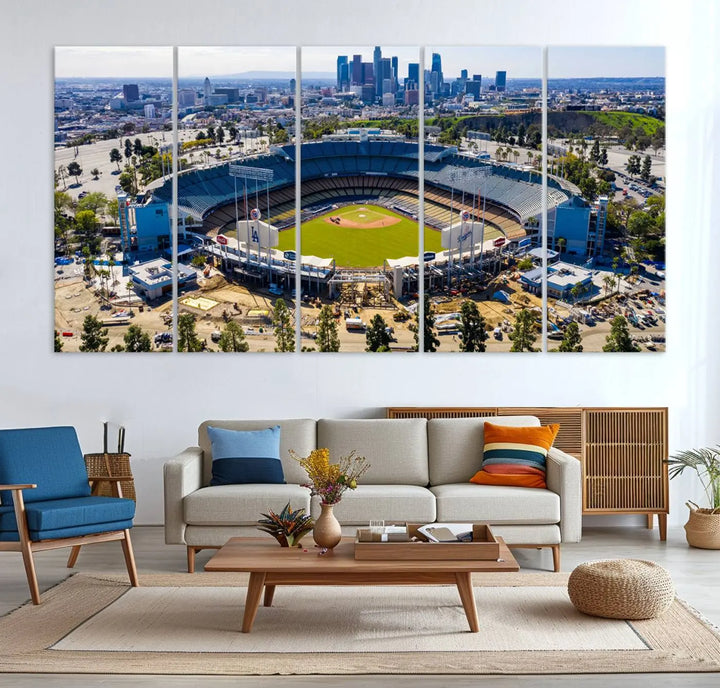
{"points": [[695, 573]]}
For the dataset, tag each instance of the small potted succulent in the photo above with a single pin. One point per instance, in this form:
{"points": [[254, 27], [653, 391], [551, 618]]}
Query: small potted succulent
{"points": [[288, 527], [703, 527]]}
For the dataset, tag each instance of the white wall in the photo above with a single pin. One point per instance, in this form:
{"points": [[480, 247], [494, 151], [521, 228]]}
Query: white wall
{"points": [[161, 399]]}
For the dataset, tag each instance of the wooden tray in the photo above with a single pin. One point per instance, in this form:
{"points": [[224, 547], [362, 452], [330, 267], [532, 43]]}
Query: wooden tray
{"points": [[484, 546]]}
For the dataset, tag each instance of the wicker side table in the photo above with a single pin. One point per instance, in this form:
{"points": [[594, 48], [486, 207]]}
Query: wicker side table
{"points": [[621, 589]]}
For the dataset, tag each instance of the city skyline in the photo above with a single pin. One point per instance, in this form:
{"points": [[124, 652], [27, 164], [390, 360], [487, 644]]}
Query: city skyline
{"points": [[219, 61], [519, 62]]}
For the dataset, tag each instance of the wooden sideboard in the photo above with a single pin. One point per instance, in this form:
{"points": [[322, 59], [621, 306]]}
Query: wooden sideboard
{"points": [[622, 451]]}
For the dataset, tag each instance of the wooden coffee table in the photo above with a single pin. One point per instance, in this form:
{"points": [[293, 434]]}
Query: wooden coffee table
{"points": [[270, 565]]}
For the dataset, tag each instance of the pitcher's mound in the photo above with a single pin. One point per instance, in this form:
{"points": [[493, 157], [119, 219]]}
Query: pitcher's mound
{"points": [[361, 218]]}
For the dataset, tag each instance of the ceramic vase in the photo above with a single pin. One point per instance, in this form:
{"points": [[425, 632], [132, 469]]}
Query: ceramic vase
{"points": [[326, 531]]}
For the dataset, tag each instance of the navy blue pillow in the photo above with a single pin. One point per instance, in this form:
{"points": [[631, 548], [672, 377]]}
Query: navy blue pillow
{"points": [[245, 456]]}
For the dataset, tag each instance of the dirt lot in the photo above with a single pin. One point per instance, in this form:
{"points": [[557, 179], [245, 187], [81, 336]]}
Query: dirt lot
{"points": [[74, 300], [234, 302]]}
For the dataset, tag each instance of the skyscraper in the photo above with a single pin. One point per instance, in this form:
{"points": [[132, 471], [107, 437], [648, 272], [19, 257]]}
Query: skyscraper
{"points": [[368, 74], [186, 97], [207, 89], [474, 87], [131, 92], [357, 75], [344, 77], [342, 62], [384, 74], [500, 78], [414, 73], [436, 68], [395, 72], [377, 59], [464, 74]]}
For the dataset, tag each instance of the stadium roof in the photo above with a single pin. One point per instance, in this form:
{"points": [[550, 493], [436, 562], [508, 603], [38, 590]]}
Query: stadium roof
{"points": [[201, 190]]}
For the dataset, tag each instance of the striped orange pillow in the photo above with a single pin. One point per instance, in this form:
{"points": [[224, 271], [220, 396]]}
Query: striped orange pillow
{"points": [[515, 456]]}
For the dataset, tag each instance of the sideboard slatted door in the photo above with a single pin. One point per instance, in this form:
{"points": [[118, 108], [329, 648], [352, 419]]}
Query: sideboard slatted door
{"points": [[440, 411], [569, 437], [624, 469]]}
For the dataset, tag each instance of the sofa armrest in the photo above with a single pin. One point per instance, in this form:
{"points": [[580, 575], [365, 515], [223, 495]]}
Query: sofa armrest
{"points": [[181, 476], [564, 477]]}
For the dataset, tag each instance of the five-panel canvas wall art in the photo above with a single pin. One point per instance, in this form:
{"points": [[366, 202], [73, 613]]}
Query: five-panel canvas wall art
{"points": [[366, 199]]}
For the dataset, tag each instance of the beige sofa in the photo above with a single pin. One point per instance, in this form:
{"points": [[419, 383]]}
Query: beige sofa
{"points": [[419, 472]]}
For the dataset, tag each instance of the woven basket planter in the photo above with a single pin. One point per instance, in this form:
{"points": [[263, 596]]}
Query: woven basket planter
{"points": [[108, 466], [621, 589], [703, 527]]}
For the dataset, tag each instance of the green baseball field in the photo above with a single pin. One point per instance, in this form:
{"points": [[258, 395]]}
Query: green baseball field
{"points": [[359, 236]]}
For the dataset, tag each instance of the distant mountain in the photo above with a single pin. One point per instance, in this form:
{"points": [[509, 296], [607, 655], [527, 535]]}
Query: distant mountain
{"points": [[268, 75]]}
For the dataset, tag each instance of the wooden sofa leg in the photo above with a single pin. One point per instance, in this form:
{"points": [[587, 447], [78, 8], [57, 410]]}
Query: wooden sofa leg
{"points": [[72, 559], [556, 557], [191, 559], [129, 559]]}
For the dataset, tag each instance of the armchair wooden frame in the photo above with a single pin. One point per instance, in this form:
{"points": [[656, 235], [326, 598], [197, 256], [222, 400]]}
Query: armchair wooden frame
{"points": [[27, 546]]}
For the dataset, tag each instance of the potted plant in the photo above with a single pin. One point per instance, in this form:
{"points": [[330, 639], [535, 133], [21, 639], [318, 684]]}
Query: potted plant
{"points": [[329, 481], [703, 527], [288, 527]]}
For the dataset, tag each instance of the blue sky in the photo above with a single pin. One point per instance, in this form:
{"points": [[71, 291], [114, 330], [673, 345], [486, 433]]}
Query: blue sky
{"points": [[563, 62]]}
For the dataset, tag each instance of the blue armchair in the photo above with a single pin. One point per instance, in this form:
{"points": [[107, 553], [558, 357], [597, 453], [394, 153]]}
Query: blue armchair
{"points": [[46, 501]]}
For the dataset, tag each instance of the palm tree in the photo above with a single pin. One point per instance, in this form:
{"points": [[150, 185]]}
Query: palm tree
{"points": [[609, 282], [516, 155], [575, 291], [62, 171], [560, 242], [89, 265], [111, 265]]}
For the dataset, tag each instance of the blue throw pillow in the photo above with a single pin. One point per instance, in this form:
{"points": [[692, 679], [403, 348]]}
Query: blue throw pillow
{"points": [[245, 456]]}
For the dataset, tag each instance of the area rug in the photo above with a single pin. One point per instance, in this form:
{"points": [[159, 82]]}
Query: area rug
{"points": [[189, 624]]}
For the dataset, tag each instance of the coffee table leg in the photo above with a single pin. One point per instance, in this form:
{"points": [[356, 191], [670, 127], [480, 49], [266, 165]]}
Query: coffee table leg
{"points": [[252, 600], [269, 592], [467, 597]]}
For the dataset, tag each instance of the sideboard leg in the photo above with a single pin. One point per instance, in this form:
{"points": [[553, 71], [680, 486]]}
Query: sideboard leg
{"points": [[662, 523]]}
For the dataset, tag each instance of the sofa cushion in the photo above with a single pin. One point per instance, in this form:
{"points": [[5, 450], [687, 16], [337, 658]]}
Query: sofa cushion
{"points": [[455, 445], [51, 458], [245, 456], [298, 434], [396, 449], [382, 502], [241, 504], [524, 534], [469, 502], [515, 456], [66, 516]]}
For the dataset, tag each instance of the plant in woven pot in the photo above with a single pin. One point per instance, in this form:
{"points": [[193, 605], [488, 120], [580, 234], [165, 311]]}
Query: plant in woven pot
{"points": [[703, 527]]}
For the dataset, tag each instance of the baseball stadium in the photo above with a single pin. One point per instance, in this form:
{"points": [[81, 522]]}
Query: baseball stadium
{"points": [[360, 206]]}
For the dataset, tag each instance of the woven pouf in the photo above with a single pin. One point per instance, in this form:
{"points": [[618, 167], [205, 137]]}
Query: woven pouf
{"points": [[621, 589]]}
